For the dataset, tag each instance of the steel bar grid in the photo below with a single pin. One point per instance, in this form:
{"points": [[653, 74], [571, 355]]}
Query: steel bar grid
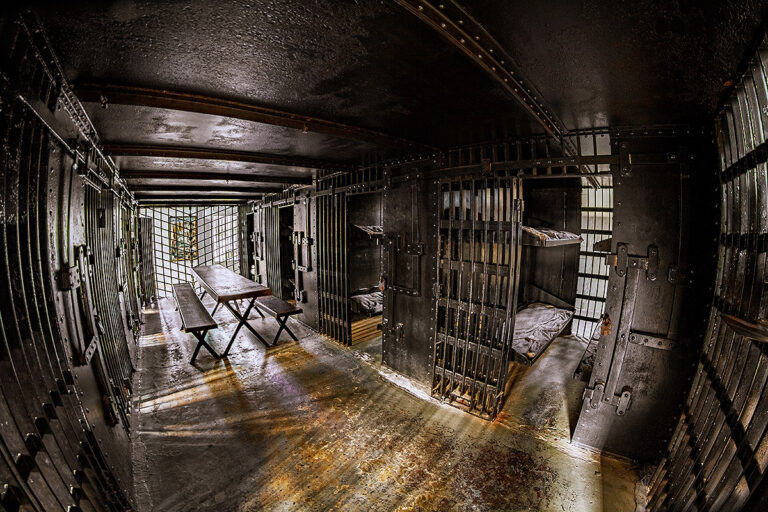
{"points": [[211, 234], [333, 259], [717, 455], [592, 282], [477, 282]]}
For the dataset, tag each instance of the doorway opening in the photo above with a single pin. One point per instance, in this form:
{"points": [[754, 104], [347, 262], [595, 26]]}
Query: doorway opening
{"points": [[287, 273], [366, 299]]}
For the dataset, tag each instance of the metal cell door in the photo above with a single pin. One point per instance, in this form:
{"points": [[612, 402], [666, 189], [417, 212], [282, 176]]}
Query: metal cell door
{"points": [[476, 293], [333, 267]]}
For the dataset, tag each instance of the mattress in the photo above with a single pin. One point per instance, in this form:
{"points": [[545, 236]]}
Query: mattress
{"points": [[536, 326], [545, 234], [371, 303]]}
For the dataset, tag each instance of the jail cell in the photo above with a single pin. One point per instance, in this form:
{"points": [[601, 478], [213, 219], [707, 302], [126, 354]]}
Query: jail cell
{"points": [[187, 236], [476, 294]]}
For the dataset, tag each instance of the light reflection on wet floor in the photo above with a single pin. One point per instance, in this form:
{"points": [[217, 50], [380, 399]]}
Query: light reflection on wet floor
{"points": [[315, 426]]}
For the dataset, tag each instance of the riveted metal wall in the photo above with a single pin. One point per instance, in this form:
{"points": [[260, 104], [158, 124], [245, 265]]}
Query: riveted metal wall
{"points": [[716, 459], [63, 428]]}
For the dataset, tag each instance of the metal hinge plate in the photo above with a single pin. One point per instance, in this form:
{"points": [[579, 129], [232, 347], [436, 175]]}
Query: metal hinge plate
{"points": [[596, 396]]}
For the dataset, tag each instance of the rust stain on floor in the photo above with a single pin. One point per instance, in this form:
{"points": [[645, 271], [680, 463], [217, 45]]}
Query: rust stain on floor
{"points": [[313, 426]]}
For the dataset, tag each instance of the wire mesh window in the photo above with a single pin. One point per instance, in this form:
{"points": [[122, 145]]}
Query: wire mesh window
{"points": [[592, 284], [187, 236]]}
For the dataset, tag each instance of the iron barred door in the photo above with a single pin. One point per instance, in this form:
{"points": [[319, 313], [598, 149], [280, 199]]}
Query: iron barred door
{"points": [[476, 292]]}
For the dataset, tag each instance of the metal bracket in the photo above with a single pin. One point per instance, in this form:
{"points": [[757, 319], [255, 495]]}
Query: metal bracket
{"points": [[69, 278], [678, 276], [648, 340], [397, 331], [91, 349], [622, 261], [595, 397]]}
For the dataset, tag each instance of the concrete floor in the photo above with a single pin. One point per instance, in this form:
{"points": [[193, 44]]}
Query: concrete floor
{"points": [[316, 426]]}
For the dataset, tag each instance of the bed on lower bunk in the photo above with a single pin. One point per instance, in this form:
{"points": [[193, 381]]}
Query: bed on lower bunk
{"points": [[367, 301], [536, 327], [544, 315]]}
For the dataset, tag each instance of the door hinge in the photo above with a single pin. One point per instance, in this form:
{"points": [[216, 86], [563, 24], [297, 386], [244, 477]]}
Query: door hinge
{"points": [[622, 261], [596, 396]]}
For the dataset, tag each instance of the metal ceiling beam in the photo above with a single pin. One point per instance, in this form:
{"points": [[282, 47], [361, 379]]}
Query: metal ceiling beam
{"points": [[194, 200], [129, 175], [163, 151], [212, 189], [188, 102]]}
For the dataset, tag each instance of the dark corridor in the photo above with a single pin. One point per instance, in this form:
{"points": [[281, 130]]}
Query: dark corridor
{"points": [[384, 255]]}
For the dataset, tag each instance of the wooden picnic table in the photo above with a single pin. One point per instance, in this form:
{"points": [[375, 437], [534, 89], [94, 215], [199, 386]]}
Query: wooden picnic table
{"points": [[225, 287]]}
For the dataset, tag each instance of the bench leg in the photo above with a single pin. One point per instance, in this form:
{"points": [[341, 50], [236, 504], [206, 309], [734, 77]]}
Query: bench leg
{"points": [[283, 326], [202, 295], [215, 308], [200, 335], [258, 310]]}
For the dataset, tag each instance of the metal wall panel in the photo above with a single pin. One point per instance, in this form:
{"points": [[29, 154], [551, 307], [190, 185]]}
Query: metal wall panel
{"points": [[643, 359], [716, 459], [55, 392]]}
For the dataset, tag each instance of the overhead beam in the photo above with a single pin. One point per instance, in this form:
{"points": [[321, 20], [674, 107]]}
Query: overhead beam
{"points": [[163, 151], [160, 98], [162, 200], [212, 189], [200, 175]]}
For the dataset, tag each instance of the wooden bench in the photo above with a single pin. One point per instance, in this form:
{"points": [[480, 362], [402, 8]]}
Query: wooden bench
{"points": [[279, 309], [195, 318]]}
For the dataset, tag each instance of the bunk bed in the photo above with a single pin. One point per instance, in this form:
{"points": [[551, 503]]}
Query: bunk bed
{"points": [[543, 317]]}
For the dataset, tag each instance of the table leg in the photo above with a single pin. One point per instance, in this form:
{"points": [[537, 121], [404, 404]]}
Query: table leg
{"points": [[200, 335], [243, 322]]}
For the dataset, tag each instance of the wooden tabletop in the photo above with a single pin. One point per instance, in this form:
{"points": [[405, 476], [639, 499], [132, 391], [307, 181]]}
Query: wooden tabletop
{"points": [[225, 285]]}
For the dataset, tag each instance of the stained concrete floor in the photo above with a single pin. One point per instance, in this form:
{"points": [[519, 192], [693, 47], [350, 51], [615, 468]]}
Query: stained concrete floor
{"points": [[312, 425]]}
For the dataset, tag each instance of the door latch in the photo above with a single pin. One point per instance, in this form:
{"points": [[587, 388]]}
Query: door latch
{"points": [[622, 261]]}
